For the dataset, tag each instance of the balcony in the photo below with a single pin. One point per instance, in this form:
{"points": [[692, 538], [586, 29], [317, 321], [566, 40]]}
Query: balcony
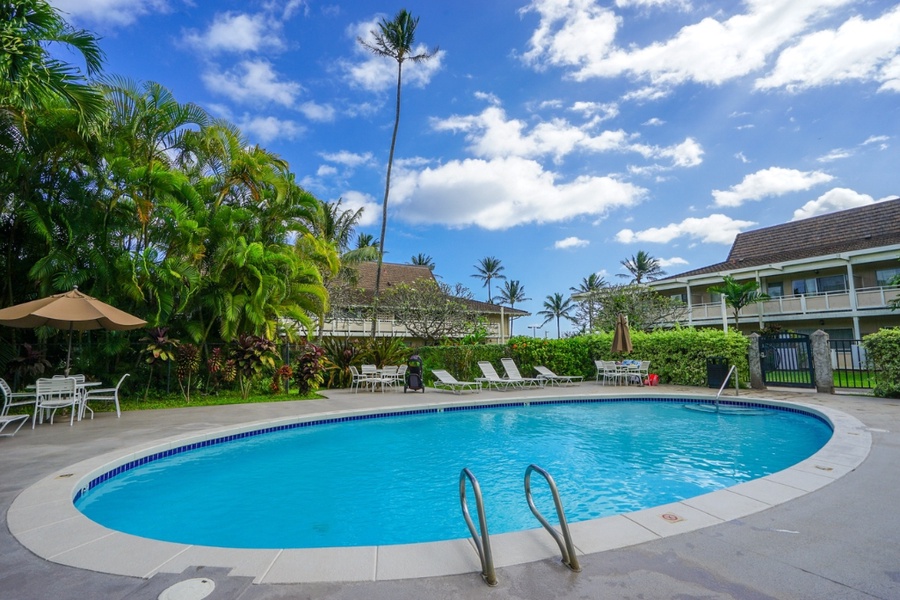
{"points": [[803, 305], [362, 328]]}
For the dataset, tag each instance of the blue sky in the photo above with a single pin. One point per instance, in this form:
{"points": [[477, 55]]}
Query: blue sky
{"points": [[560, 136]]}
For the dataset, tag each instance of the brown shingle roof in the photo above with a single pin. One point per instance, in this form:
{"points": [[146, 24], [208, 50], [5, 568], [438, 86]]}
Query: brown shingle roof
{"points": [[859, 228]]}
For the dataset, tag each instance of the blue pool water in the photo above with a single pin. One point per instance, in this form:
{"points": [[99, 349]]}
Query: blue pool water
{"points": [[396, 480]]}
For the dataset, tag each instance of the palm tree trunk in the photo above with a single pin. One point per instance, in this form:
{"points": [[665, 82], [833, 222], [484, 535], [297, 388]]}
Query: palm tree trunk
{"points": [[384, 206]]}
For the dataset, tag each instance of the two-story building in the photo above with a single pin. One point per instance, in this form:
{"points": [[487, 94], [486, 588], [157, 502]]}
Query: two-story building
{"points": [[830, 272]]}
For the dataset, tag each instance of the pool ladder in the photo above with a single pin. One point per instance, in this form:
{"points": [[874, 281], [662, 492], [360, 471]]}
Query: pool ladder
{"points": [[733, 369], [483, 541]]}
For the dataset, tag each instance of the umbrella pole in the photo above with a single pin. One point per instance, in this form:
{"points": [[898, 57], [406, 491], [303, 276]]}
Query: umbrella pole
{"points": [[69, 353]]}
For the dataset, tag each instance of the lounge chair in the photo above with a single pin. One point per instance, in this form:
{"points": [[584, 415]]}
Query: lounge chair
{"points": [[512, 373], [104, 395], [446, 381], [492, 379], [11, 398], [554, 379]]}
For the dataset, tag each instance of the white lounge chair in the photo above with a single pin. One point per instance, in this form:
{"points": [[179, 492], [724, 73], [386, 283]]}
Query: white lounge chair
{"points": [[104, 395], [554, 379], [11, 398], [512, 373], [492, 379], [446, 381], [53, 394]]}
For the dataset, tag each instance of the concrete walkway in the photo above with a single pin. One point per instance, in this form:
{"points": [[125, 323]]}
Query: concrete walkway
{"points": [[841, 541]]}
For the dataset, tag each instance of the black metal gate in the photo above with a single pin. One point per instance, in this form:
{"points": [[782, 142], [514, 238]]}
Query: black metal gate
{"points": [[787, 360], [851, 365]]}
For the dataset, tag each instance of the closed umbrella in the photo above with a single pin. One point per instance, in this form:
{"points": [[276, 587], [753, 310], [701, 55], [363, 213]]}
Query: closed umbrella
{"points": [[71, 311], [621, 337]]}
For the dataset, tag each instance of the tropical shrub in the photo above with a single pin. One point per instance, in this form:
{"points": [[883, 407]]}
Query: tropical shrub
{"points": [[252, 355], [384, 351], [187, 363], [309, 368], [340, 353], [883, 348]]}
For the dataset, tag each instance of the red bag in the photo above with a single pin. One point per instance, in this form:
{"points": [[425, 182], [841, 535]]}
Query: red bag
{"points": [[652, 379]]}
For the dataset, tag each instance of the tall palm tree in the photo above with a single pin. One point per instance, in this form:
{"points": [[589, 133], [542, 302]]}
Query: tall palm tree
{"points": [[512, 292], [393, 39], [589, 286], [489, 268], [642, 266], [423, 260], [557, 307]]}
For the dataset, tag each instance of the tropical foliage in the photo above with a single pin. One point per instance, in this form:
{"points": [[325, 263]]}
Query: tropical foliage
{"points": [[151, 205], [642, 267], [488, 269], [738, 295], [557, 307]]}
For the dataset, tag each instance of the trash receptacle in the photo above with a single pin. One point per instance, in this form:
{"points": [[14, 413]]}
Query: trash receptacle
{"points": [[716, 371]]}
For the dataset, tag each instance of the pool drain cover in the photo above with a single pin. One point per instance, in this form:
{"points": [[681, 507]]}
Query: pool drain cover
{"points": [[189, 589]]}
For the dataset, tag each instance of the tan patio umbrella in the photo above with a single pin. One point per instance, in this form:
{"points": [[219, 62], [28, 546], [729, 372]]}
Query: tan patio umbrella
{"points": [[72, 311], [621, 337]]}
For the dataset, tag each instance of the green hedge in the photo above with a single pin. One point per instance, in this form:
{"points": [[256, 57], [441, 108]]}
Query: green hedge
{"points": [[883, 348], [678, 356]]}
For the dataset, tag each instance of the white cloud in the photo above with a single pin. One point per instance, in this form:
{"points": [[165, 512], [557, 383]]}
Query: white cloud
{"points": [[681, 4], [831, 201], [266, 129], [858, 50], [238, 32], [670, 262], [836, 154], [348, 159], [597, 111], [353, 200], [113, 12], [317, 112], [774, 181], [570, 242], [579, 35], [253, 81], [653, 122], [714, 229], [491, 134], [378, 73], [502, 193], [326, 171], [876, 139]]}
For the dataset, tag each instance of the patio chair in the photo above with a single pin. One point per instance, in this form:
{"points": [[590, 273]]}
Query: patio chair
{"points": [[446, 381], [610, 371], [512, 373], [55, 393], [356, 378], [9, 399], [104, 395], [554, 379], [492, 379]]}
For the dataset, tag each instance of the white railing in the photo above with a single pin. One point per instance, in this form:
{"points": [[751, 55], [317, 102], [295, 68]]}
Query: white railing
{"points": [[866, 299], [359, 328]]}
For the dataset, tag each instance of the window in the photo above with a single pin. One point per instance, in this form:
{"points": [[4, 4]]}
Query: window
{"points": [[885, 276], [831, 283], [803, 286], [775, 289]]}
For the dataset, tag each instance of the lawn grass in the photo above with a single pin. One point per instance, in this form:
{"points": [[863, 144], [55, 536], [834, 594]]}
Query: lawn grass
{"points": [[178, 401]]}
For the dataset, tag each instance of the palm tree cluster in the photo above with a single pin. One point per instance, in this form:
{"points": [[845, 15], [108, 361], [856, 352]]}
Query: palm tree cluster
{"points": [[146, 202]]}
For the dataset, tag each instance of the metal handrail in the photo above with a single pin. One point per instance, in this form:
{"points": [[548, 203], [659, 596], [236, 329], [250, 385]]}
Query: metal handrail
{"points": [[566, 547], [725, 382], [482, 542]]}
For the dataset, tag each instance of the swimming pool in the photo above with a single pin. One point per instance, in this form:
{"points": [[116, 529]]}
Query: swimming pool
{"points": [[371, 480]]}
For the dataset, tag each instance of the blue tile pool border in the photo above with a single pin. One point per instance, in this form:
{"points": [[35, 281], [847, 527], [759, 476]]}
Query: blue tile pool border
{"points": [[124, 468]]}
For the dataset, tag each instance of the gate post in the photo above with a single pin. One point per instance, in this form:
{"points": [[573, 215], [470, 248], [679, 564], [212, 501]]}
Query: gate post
{"points": [[821, 355], [756, 378]]}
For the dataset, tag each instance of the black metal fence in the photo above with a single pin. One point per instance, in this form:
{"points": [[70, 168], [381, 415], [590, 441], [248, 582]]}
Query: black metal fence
{"points": [[853, 369], [786, 360]]}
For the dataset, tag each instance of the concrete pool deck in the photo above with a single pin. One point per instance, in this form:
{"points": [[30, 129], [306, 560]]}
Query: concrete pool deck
{"points": [[839, 540]]}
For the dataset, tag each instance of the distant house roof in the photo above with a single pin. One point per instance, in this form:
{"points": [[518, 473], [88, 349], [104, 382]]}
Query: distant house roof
{"points": [[861, 228], [393, 274]]}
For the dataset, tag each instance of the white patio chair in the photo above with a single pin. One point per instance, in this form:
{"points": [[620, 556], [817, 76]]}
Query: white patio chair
{"points": [[104, 395], [554, 379], [611, 372], [513, 374], [55, 393], [357, 378], [446, 381]]}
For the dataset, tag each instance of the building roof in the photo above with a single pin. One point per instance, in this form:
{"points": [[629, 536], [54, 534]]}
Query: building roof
{"points": [[861, 228], [393, 274]]}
